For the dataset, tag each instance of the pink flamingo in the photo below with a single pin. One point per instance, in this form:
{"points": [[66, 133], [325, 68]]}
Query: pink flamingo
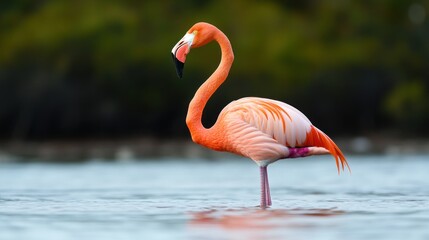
{"points": [[261, 129]]}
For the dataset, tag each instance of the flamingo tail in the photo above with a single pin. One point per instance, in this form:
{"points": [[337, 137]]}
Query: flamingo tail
{"points": [[318, 138]]}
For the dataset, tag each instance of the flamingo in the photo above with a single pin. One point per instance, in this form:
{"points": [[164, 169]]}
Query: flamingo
{"points": [[261, 129]]}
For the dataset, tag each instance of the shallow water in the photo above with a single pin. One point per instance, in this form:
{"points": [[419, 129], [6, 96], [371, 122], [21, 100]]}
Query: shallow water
{"points": [[385, 197]]}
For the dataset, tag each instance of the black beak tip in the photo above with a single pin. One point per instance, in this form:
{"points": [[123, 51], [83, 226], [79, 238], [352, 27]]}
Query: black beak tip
{"points": [[179, 66]]}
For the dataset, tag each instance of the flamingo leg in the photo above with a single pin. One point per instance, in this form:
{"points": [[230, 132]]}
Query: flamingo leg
{"points": [[267, 187], [263, 191]]}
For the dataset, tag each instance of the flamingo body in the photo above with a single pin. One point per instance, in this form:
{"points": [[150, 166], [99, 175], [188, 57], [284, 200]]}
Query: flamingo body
{"points": [[265, 130], [261, 129]]}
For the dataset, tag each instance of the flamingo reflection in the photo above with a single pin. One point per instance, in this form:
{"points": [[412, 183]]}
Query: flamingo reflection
{"points": [[260, 219]]}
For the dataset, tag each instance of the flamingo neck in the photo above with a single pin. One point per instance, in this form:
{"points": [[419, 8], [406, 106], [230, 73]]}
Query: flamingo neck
{"points": [[195, 111]]}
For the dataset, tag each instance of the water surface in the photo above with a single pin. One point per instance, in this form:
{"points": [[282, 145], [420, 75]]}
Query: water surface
{"points": [[385, 197]]}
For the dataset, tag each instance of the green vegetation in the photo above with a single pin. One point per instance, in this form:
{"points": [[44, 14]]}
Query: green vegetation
{"points": [[103, 68]]}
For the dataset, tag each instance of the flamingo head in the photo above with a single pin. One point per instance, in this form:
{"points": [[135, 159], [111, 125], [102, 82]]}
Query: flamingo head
{"points": [[197, 36]]}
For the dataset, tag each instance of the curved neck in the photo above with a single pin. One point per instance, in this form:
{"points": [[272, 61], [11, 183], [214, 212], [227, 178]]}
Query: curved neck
{"points": [[206, 90]]}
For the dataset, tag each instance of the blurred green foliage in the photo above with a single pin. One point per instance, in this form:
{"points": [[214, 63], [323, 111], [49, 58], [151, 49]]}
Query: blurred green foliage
{"points": [[103, 68]]}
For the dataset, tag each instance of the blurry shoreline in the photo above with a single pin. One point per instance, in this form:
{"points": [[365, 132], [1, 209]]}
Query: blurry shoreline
{"points": [[144, 148]]}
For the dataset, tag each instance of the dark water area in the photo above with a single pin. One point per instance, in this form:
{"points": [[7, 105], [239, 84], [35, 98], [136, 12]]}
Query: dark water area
{"points": [[385, 197]]}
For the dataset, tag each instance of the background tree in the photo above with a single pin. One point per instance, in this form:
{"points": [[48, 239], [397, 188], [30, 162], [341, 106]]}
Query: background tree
{"points": [[103, 69]]}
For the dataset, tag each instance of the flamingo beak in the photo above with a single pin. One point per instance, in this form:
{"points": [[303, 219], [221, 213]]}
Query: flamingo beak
{"points": [[180, 50]]}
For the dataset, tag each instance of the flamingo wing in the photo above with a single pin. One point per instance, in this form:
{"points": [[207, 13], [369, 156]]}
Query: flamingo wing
{"points": [[264, 129]]}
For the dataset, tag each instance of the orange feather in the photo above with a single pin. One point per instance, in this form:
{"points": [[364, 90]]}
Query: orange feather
{"points": [[316, 137]]}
